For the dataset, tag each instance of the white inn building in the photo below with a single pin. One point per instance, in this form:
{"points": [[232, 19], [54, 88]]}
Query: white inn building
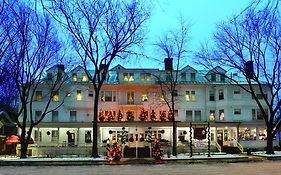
{"points": [[131, 98]]}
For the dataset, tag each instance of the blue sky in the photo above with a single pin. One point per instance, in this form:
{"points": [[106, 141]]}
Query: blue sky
{"points": [[202, 14]]}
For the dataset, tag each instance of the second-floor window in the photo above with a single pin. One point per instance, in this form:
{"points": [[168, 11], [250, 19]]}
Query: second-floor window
{"points": [[197, 115], [221, 94], [38, 115], [79, 95], [183, 76], [145, 76], [257, 114], [237, 111], [56, 96], [108, 96], [39, 96], [190, 96], [73, 116], [130, 97], [144, 96], [211, 95], [188, 115], [128, 77], [55, 116]]}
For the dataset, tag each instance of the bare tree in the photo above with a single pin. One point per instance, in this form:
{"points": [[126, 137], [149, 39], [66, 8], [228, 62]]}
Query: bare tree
{"points": [[250, 44], [102, 31], [33, 48], [173, 45]]}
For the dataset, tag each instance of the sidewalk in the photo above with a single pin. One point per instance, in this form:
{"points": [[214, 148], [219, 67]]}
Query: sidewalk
{"points": [[216, 158]]}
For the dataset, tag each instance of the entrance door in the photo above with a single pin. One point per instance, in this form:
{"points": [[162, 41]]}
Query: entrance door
{"points": [[220, 137], [71, 139]]}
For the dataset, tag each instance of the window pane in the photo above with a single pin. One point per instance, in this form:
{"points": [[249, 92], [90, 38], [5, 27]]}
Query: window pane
{"points": [[247, 133], [144, 96], [79, 95], [197, 115], [39, 96], [188, 115], [212, 95], [148, 77]]}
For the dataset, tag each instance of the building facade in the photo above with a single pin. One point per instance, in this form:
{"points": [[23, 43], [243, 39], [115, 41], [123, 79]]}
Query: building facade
{"points": [[131, 101]]}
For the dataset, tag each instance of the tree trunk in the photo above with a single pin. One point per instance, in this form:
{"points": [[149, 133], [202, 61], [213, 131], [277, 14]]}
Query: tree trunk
{"points": [[23, 152], [175, 152], [95, 127], [269, 142]]}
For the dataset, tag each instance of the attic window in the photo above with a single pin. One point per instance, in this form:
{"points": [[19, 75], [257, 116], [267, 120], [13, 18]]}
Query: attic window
{"points": [[74, 77], [84, 77], [192, 76], [213, 76], [222, 78]]}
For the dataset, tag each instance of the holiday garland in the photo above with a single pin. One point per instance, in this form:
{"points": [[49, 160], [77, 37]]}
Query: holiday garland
{"points": [[163, 116], [101, 116], [130, 115], [109, 116], [119, 116], [143, 115], [153, 116]]}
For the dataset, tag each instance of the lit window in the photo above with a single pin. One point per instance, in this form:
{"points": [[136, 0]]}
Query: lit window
{"points": [[56, 96], [108, 96], [84, 77], [190, 96], [131, 77], [221, 114], [212, 115], [142, 77], [162, 98], [79, 95], [148, 77], [125, 77], [144, 96], [39, 96], [247, 133], [130, 97], [262, 134], [74, 77]]}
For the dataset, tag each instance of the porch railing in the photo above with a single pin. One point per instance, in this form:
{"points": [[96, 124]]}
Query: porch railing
{"points": [[240, 147], [218, 146]]}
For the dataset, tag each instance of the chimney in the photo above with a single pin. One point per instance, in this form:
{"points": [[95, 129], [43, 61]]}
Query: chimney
{"points": [[249, 69], [168, 64]]}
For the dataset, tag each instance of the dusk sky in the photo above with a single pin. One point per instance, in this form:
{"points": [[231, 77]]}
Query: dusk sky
{"points": [[202, 14]]}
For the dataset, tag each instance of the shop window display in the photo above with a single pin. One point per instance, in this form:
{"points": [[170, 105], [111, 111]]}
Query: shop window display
{"points": [[247, 134]]}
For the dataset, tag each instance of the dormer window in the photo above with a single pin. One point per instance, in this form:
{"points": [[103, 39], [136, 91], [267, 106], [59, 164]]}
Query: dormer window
{"points": [[192, 76], [74, 77], [183, 76], [222, 78], [84, 77], [128, 77], [213, 76], [145, 77]]}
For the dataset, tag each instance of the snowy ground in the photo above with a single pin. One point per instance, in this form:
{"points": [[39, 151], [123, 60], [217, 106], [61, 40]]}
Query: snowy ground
{"points": [[179, 157], [245, 168]]}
